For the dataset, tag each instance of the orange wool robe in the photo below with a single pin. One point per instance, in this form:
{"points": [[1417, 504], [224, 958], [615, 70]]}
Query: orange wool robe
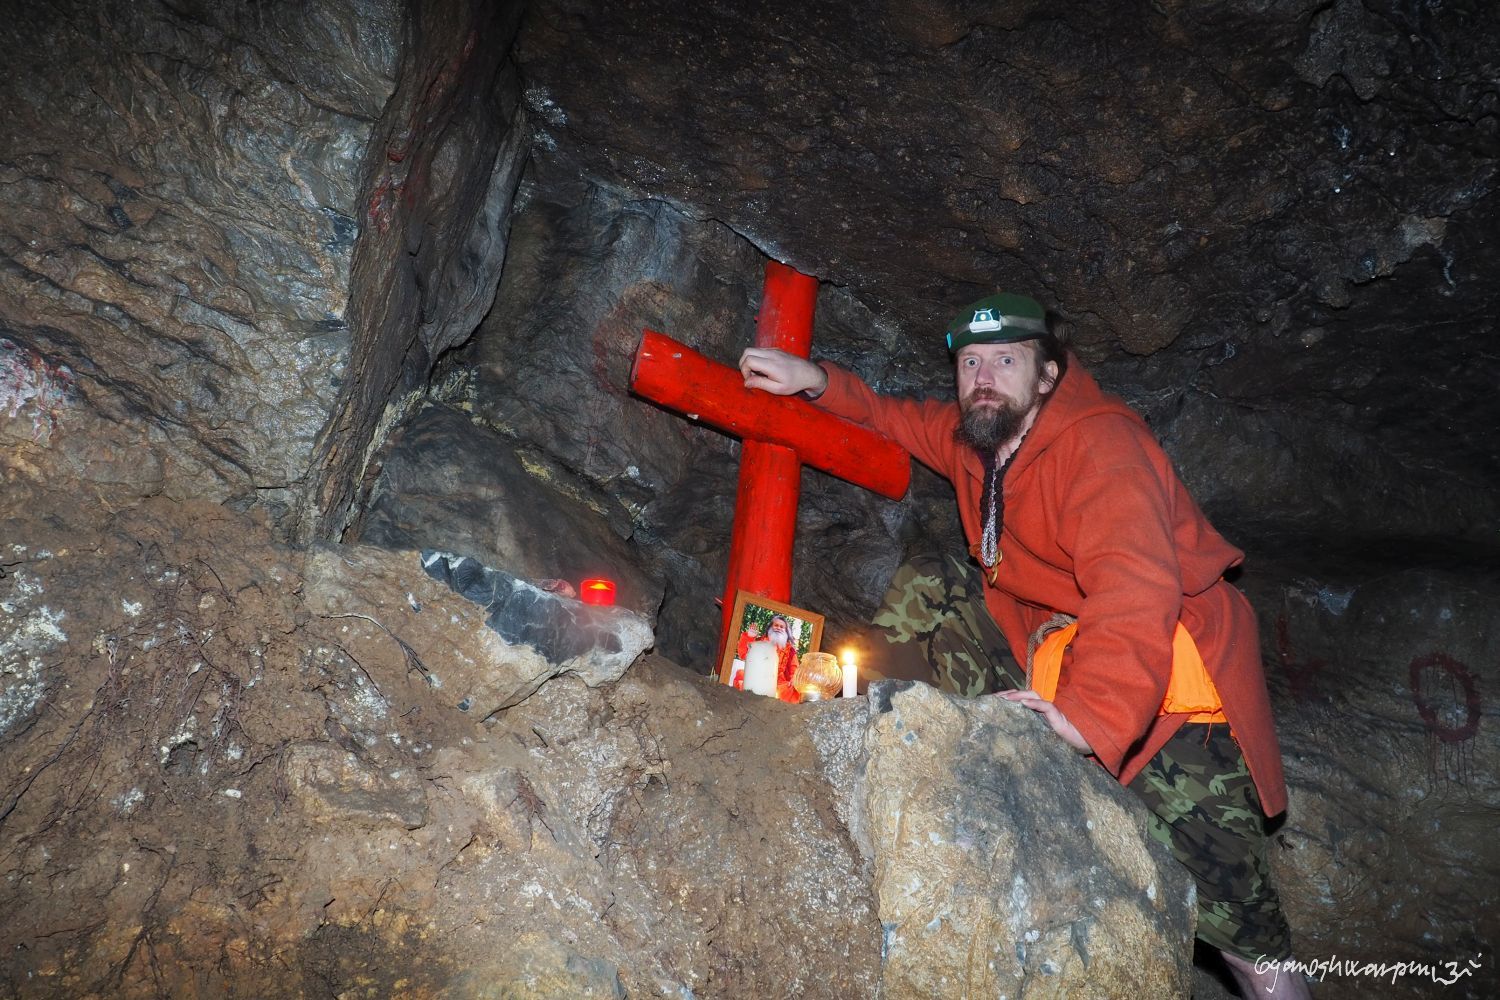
{"points": [[1097, 525]]}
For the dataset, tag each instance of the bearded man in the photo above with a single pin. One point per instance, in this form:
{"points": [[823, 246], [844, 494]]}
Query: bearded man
{"points": [[780, 634], [1096, 570]]}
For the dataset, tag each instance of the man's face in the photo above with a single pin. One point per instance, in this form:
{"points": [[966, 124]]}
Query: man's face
{"points": [[998, 386], [778, 633]]}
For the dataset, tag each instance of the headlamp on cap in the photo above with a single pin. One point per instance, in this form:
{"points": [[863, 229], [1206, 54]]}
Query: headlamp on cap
{"points": [[998, 319]]}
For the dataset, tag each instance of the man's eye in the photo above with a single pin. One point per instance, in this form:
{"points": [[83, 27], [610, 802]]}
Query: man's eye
{"points": [[1006, 361]]}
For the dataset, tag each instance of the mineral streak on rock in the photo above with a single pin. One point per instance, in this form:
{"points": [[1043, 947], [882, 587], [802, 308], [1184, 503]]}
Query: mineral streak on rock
{"points": [[30, 632]]}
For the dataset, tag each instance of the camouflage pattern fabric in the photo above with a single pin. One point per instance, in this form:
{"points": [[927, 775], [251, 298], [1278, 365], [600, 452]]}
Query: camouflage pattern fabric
{"points": [[1205, 810], [934, 627]]}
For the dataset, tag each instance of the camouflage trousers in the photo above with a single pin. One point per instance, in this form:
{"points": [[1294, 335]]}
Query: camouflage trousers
{"points": [[933, 626]]}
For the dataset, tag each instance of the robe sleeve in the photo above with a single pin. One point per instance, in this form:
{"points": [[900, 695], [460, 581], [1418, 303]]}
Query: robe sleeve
{"points": [[922, 427]]}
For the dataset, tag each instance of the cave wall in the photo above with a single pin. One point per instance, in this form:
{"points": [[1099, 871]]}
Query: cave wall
{"points": [[179, 208], [548, 371], [235, 277], [234, 233], [439, 177], [375, 271], [1249, 212]]}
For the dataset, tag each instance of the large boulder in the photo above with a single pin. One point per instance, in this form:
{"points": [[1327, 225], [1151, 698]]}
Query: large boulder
{"points": [[1007, 866], [235, 768]]}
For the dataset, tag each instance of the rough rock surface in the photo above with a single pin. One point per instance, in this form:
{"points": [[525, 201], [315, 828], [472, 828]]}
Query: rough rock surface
{"points": [[597, 643], [495, 653], [446, 481], [1392, 748], [1271, 200], [236, 238], [236, 769], [589, 268], [281, 797], [1005, 865], [179, 205], [970, 137], [438, 177]]}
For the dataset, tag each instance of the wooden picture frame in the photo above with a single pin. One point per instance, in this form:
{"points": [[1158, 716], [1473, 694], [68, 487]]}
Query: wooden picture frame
{"points": [[757, 611]]}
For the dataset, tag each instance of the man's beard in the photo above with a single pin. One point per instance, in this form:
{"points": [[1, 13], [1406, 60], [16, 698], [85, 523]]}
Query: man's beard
{"points": [[779, 637], [990, 420]]}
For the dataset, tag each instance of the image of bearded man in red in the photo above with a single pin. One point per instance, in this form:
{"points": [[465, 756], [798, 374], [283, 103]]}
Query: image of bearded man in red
{"points": [[780, 635]]}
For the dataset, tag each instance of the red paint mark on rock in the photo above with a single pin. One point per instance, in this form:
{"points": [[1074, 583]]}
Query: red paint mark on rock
{"points": [[1432, 677], [1301, 676]]}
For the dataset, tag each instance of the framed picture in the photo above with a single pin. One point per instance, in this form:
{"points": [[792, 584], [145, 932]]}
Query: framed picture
{"points": [[756, 618]]}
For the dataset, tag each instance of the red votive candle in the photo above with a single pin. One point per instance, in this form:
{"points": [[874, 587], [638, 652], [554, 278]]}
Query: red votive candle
{"points": [[599, 591]]}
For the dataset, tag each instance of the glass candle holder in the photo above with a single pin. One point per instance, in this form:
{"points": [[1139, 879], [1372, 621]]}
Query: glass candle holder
{"points": [[818, 676]]}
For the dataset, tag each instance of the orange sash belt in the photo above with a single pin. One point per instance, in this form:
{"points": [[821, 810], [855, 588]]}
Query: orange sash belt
{"points": [[1190, 689]]}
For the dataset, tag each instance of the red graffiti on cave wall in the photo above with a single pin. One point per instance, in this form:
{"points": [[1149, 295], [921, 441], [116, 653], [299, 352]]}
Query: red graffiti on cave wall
{"points": [[1446, 695], [1442, 688], [1301, 675], [404, 175]]}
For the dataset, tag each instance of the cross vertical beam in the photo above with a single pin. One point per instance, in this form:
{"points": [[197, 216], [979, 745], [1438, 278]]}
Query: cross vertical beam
{"points": [[770, 484]]}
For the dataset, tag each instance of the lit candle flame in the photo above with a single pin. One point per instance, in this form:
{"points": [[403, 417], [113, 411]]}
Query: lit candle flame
{"points": [[851, 673]]}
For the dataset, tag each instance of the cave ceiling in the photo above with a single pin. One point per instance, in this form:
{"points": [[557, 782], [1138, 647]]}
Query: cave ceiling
{"points": [[1287, 205]]}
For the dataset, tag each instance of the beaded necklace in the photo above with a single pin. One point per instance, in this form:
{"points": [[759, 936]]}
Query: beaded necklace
{"points": [[992, 504]]}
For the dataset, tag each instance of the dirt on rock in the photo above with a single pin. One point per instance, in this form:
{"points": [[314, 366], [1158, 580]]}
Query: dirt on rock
{"points": [[207, 788], [149, 814]]}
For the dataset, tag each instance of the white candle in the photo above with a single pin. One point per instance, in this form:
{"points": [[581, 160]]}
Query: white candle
{"points": [[761, 662], [851, 675]]}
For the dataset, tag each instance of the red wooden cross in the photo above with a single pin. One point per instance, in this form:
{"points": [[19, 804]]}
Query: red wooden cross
{"points": [[780, 434]]}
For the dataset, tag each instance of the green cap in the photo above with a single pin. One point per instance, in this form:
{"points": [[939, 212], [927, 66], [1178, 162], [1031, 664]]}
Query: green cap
{"points": [[998, 319]]}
